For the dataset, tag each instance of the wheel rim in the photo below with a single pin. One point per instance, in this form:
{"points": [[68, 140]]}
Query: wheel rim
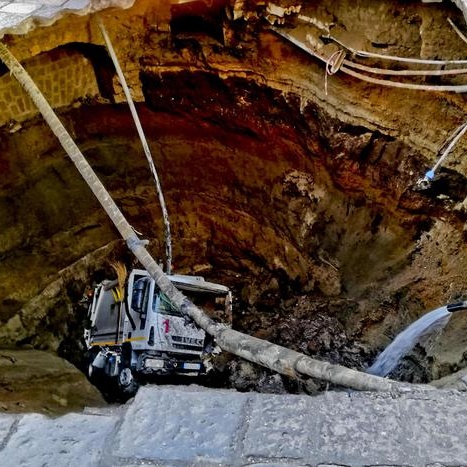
{"points": [[125, 378]]}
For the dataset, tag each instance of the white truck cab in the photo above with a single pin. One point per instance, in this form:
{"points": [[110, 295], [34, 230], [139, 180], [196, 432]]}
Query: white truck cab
{"points": [[145, 334]]}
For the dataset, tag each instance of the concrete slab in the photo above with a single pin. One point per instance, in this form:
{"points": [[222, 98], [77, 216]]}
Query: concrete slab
{"points": [[72, 440]]}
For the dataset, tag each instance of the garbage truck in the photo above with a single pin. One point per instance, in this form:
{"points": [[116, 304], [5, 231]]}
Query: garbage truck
{"points": [[142, 333]]}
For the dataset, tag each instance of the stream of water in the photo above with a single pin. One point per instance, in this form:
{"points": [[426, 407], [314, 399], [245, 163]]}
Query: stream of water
{"points": [[407, 339]]}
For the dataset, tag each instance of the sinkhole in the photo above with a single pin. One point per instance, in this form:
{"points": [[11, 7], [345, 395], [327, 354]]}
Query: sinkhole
{"points": [[315, 223]]}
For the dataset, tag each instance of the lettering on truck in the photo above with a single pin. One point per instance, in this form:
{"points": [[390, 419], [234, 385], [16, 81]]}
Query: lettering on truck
{"points": [[188, 340]]}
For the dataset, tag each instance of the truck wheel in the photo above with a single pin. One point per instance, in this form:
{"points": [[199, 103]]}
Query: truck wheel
{"points": [[126, 382]]}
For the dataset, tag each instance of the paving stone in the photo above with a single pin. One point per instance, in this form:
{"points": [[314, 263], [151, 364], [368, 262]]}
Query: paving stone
{"points": [[56, 3], [6, 422], [277, 464], [20, 8], [9, 20], [16, 16], [436, 431], [378, 429], [358, 430], [76, 4], [72, 440], [47, 12], [169, 424], [280, 427]]}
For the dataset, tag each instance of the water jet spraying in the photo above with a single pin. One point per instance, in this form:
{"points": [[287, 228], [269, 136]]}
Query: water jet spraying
{"points": [[433, 321]]}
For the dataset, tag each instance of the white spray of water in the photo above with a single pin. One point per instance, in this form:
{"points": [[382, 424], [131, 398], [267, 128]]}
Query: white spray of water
{"points": [[407, 339]]}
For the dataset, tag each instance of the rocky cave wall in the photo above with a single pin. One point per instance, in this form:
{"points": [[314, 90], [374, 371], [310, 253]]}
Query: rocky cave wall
{"points": [[273, 186]]}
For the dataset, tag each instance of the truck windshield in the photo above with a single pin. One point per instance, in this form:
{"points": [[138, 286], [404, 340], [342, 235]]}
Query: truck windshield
{"points": [[165, 305]]}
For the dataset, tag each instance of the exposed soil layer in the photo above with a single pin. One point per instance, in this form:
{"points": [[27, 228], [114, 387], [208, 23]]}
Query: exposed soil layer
{"points": [[34, 381], [310, 214]]}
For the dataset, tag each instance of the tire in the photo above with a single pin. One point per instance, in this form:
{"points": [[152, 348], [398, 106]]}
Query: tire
{"points": [[91, 372]]}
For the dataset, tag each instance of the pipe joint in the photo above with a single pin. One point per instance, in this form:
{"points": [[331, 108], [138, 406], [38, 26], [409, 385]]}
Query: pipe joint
{"points": [[459, 306]]}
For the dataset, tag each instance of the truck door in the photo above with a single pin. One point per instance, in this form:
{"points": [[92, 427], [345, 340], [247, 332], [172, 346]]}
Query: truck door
{"points": [[175, 335], [140, 294], [107, 318]]}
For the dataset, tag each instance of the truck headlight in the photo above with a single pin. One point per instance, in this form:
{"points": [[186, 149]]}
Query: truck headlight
{"points": [[155, 364]]}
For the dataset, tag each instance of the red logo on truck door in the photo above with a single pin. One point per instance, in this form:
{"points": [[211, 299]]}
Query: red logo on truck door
{"points": [[166, 324]]}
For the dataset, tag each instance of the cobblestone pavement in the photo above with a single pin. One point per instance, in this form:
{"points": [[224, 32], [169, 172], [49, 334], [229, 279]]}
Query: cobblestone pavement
{"points": [[19, 16], [193, 426]]}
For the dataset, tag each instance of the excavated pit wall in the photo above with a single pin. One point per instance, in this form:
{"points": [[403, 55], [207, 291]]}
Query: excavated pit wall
{"points": [[302, 201]]}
